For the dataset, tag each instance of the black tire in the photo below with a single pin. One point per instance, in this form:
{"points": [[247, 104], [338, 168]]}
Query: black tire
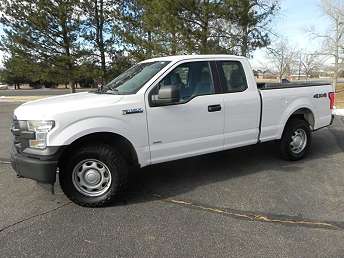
{"points": [[285, 143], [113, 160]]}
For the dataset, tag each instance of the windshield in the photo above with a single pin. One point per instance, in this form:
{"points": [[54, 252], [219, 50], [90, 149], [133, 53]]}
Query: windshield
{"points": [[133, 79]]}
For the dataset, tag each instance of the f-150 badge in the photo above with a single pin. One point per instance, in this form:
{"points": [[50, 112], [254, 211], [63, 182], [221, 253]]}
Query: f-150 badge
{"points": [[132, 111]]}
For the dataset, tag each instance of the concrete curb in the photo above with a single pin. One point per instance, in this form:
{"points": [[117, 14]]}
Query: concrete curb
{"points": [[338, 112]]}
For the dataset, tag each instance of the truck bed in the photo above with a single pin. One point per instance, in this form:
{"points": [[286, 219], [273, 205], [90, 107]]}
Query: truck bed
{"points": [[279, 100]]}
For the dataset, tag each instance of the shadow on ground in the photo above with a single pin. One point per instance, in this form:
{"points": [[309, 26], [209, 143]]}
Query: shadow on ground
{"points": [[182, 176]]}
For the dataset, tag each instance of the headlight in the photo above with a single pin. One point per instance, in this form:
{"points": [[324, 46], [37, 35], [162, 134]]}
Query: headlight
{"points": [[41, 129]]}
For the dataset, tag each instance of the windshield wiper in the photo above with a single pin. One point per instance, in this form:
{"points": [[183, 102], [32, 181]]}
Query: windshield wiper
{"points": [[111, 91], [98, 90], [108, 90]]}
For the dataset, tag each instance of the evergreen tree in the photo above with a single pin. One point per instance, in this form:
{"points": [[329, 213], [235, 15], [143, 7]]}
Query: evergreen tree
{"points": [[78, 41], [97, 28], [152, 27], [250, 23], [47, 31]]}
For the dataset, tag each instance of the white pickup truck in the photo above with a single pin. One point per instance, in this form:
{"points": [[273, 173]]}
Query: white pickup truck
{"points": [[159, 110]]}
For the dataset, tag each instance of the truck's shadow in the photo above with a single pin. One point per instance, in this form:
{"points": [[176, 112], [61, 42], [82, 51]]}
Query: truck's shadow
{"points": [[182, 176]]}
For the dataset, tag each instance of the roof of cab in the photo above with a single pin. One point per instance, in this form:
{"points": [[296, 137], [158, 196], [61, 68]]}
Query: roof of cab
{"points": [[188, 57]]}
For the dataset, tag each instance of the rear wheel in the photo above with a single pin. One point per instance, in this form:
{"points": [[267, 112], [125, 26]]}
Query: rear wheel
{"points": [[296, 140], [93, 175]]}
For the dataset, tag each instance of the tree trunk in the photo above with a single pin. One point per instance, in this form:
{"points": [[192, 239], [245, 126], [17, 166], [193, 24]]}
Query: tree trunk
{"points": [[205, 29], [204, 40], [72, 86], [204, 43], [70, 75], [244, 42], [244, 45], [336, 58], [174, 42], [99, 24], [336, 62], [335, 75], [204, 37], [66, 44], [150, 52]]}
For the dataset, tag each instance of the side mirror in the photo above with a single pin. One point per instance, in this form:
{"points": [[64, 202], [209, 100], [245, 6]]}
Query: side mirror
{"points": [[168, 94]]}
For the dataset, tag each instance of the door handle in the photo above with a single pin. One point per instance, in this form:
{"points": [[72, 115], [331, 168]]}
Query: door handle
{"points": [[214, 108]]}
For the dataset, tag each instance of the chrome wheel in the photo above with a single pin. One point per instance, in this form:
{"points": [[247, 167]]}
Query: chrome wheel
{"points": [[91, 177], [298, 141]]}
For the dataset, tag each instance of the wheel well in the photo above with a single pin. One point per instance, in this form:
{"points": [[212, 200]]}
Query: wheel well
{"points": [[119, 142], [305, 114]]}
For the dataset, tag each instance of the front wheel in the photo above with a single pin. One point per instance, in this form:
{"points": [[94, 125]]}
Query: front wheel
{"points": [[296, 140], [93, 175]]}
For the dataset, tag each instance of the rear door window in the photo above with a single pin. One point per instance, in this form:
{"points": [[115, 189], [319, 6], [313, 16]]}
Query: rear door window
{"points": [[232, 76]]}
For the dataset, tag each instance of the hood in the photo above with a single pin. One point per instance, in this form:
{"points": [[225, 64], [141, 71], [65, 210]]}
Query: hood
{"points": [[45, 109]]}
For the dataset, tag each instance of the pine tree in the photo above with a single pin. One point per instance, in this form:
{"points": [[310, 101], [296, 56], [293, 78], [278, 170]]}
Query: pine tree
{"points": [[97, 31], [250, 23], [47, 31]]}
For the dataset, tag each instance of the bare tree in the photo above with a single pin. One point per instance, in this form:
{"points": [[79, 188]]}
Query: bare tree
{"points": [[283, 58], [333, 38], [310, 64]]}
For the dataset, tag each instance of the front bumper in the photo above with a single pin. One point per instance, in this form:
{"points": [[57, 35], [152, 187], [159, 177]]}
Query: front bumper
{"points": [[43, 171]]}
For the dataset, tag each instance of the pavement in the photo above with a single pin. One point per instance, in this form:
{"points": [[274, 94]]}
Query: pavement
{"points": [[239, 203]]}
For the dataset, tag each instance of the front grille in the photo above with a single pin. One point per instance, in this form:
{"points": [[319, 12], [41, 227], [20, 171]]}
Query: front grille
{"points": [[21, 135]]}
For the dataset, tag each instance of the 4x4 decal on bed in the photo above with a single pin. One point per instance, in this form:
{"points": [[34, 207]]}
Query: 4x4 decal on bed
{"points": [[320, 95]]}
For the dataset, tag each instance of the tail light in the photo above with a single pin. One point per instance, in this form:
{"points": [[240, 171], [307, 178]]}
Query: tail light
{"points": [[331, 95]]}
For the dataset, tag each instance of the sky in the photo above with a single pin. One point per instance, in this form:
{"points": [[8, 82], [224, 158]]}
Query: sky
{"points": [[292, 22]]}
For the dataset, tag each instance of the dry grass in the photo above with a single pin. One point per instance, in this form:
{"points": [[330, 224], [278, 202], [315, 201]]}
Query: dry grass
{"points": [[340, 95], [20, 98]]}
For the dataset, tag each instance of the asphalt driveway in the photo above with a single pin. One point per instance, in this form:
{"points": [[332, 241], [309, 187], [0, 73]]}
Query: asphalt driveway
{"points": [[244, 202]]}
